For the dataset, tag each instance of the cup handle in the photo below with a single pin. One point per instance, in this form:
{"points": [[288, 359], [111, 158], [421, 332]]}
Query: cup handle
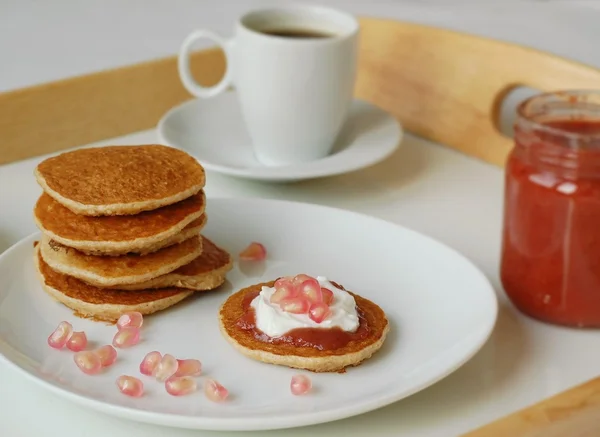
{"points": [[185, 73]]}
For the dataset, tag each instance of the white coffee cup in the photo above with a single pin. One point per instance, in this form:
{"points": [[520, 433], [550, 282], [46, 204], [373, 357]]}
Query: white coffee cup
{"points": [[294, 92]]}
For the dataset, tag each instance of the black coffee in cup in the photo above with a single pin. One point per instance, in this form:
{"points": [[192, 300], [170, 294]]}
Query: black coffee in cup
{"points": [[297, 33]]}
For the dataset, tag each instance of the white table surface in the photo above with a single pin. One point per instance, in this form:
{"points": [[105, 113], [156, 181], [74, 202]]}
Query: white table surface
{"points": [[424, 186]]}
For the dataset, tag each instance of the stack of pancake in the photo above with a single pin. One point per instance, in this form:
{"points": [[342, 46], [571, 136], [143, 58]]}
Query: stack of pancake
{"points": [[121, 230]]}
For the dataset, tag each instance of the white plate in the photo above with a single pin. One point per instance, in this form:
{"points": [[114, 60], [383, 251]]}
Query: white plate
{"points": [[441, 309], [213, 132]]}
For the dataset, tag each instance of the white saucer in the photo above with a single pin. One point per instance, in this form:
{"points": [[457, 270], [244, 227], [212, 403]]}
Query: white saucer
{"points": [[213, 131]]}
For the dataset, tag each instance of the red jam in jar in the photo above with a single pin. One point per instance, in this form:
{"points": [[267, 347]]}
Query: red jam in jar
{"points": [[550, 264]]}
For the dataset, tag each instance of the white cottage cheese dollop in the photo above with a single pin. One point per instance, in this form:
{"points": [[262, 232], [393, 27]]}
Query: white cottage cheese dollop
{"points": [[275, 322]]}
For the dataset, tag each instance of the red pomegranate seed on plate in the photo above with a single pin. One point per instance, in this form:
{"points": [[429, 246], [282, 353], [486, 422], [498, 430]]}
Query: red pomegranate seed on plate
{"points": [[130, 386], [189, 367], [61, 335], [180, 385], [88, 362], [300, 385], [254, 252], [126, 337], [215, 391], [165, 368], [149, 363], [107, 355], [77, 342], [132, 319]]}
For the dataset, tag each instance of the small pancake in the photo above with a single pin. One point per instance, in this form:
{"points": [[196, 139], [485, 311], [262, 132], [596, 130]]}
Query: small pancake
{"points": [[206, 272], [107, 271], [117, 235], [119, 180], [308, 358], [100, 304]]}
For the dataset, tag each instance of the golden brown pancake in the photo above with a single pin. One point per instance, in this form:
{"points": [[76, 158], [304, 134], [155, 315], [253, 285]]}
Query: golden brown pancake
{"points": [[303, 357], [100, 304], [206, 272], [105, 271], [118, 180], [117, 235]]}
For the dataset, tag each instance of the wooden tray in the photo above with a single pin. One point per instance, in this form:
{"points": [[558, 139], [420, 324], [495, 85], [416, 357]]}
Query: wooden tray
{"points": [[573, 413], [443, 85]]}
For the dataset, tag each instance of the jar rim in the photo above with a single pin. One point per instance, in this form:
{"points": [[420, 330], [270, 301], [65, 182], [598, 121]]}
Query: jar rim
{"points": [[577, 98]]}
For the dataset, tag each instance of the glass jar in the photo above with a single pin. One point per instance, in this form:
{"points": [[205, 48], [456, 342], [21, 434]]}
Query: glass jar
{"points": [[550, 263]]}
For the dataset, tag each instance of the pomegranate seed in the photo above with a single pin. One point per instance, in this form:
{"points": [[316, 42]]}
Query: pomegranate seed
{"points": [[165, 368], [188, 368], [318, 312], [77, 342], [130, 320], [150, 362], [130, 386], [312, 290], [180, 386], [126, 337], [61, 335], [327, 296], [295, 305], [283, 292], [88, 362], [283, 281], [300, 385], [254, 252], [107, 355], [215, 391], [299, 279]]}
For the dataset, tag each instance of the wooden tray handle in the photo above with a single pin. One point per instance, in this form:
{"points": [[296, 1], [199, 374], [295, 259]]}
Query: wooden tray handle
{"points": [[448, 86]]}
